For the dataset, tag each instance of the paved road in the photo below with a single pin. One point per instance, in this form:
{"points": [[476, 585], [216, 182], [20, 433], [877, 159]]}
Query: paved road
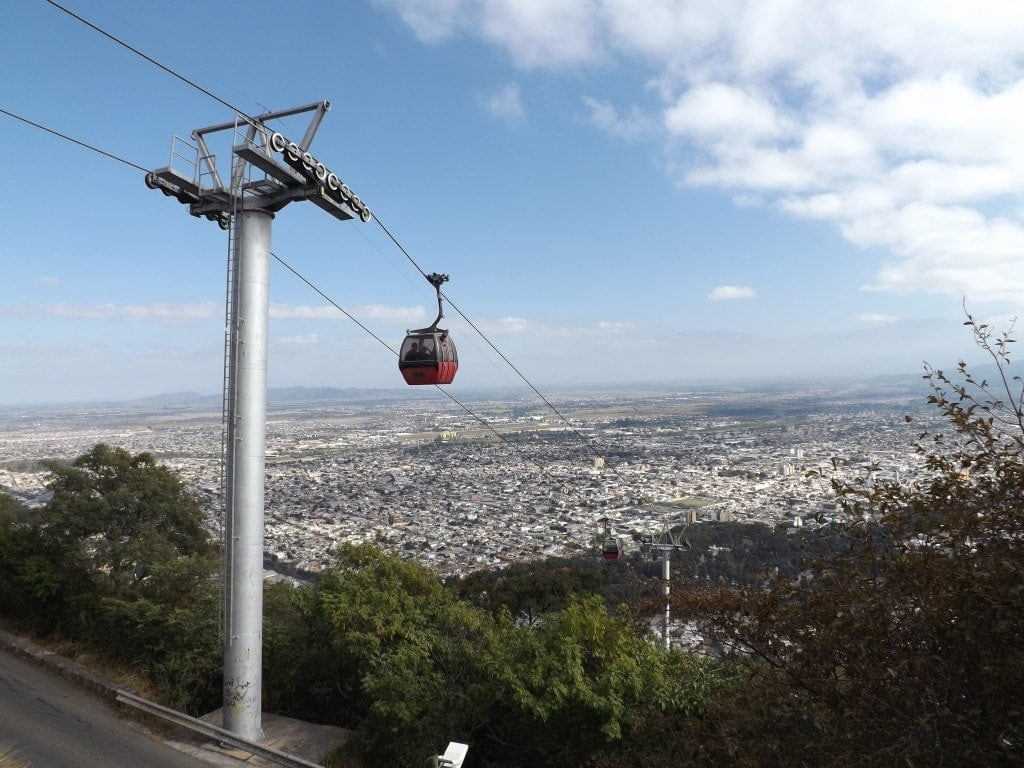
{"points": [[49, 723]]}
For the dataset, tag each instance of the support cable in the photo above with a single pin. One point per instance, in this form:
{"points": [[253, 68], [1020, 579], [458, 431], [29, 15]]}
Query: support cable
{"points": [[500, 354], [183, 55], [242, 113], [519, 373], [381, 341], [334, 304], [301, 277], [74, 141], [395, 240], [150, 59], [394, 351]]}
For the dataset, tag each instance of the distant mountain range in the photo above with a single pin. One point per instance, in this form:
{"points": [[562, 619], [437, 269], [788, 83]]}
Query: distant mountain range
{"points": [[910, 384], [188, 402], [278, 397]]}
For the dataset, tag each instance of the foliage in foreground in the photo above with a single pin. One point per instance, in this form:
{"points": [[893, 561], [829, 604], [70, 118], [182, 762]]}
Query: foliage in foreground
{"points": [[118, 561], [412, 666], [900, 643], [907, 648]]}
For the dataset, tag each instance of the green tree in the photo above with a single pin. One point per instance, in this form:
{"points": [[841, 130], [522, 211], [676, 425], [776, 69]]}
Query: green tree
{"points": [[34, 586], [303, 675], [399, 647], [8, 506], [905, 646], [577, 685], [416, 667], [527, 590], [130, 522], [119, 560]]}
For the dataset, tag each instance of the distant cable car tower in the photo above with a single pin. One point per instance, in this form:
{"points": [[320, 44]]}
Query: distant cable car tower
{"points": [[662, 544]]}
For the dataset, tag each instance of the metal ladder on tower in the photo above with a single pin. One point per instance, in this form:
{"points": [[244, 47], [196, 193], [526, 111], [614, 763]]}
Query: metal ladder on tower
{"points": [[228, 392]]}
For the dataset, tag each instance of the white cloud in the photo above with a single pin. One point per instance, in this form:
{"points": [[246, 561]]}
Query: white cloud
{"points": [[716, 113], [604, 115], [58, 352], [824, 206], [513, 325], [877, 318], [945, 116], [729, 292], [760, 170], [533, 33], [614, 327], [304, 312], [937, 181], [299, 341], [382, 313], [363, 313], [837, 150], [543, 33], [937, 250], [520, 326], [505, 103], [433, 21], [899, 123], [160, 314]]}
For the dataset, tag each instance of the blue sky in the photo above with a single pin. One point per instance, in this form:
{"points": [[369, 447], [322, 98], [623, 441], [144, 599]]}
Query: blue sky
{"points": [[621, 190]]}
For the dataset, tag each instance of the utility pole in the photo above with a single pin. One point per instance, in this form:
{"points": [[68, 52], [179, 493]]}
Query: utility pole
{"points": [[268, 171]]}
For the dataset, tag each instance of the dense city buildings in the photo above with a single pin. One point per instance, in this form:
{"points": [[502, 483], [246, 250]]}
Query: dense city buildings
{"points": [[512, 480]]}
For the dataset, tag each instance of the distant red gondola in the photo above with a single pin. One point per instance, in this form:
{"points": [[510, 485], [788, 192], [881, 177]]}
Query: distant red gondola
{"points": [[428, 355], [612, 549], [613, 545]]}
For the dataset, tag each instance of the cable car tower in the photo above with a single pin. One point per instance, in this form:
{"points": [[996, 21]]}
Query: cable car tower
{"points": [[267, 172], [662, 544]]}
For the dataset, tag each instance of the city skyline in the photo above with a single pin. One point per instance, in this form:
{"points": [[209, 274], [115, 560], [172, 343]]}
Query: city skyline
{"points": [[416, 479], [621, 192]]}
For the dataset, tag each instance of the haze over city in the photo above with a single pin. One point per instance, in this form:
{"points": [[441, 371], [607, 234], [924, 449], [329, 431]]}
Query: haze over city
{"points": [[621, 191]]}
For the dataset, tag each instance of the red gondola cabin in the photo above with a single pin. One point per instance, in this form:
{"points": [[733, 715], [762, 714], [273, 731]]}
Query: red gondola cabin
{"points": [[612, 549], [428, 356]]}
